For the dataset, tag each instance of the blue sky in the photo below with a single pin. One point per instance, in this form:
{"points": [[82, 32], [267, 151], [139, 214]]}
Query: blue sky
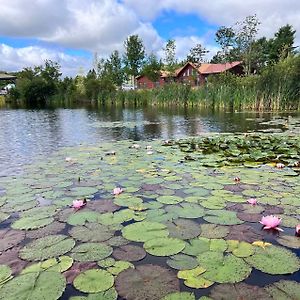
{"points": [[71, 31]]}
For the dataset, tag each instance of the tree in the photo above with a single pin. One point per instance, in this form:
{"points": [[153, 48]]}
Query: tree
{"points": [[170, 57], [225, 37], [245, 37], [114, 68], [197, 54], [152, 68], [283, 43], [134, 55]]}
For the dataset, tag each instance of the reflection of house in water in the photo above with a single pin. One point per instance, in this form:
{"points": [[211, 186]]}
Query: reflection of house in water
{"points": [[191, 74]]}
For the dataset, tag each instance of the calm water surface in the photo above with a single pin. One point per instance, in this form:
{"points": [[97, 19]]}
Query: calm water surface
{"points": [[26, 134]]}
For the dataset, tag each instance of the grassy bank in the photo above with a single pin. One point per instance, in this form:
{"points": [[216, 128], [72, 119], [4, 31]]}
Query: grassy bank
{"points": [[277, 88]]}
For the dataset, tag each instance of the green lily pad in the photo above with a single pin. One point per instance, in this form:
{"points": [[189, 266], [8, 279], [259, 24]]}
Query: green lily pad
{"points": [[186, 210], [93, 281], [3, 216], [193, 278], [223, 268], [110, 294], [91, 252], [213, 231], [107, 262], [27, 223], [34, 286], [240, 249], [183, 229], [274, 260], [91, 232], [169, 199], [119, 266], [144, 231], [83, 191], [47, 247], [81, 217], [222, 217], [200, 245], [284, 290], [182, 262], [60, 264], [5, 274], [164, 246]]}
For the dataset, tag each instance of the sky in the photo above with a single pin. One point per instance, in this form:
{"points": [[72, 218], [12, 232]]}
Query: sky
{"points": [[72, 31]]}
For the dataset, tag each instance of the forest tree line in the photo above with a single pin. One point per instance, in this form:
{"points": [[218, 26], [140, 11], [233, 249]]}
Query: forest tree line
{"points": [[266, 62]]}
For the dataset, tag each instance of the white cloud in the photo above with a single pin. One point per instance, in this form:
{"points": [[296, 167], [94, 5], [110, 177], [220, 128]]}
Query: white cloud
{"points": [[272, 13], [15, 59], [92, 25]]}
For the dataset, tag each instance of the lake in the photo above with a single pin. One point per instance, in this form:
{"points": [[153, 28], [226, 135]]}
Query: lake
{"points": [[180, 226]]}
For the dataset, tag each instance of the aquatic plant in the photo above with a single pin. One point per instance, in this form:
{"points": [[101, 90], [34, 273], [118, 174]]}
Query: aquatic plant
{"points": [[271, 222]]}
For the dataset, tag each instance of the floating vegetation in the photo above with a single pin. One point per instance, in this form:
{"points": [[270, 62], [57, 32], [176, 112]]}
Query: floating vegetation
{"points": [[179, 208]]}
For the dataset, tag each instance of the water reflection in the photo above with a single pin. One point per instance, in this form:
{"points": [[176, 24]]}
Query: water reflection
{"points": [[28, 133]]}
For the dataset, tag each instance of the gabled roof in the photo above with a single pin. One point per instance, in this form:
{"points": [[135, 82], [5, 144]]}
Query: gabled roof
{"points": [[217, 68], [4, 76]]}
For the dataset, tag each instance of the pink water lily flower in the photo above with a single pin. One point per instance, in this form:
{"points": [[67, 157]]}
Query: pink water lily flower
{"points": [[298, 229], [79, 203], [280, 165], [252, 201], [117, 191], [271, 222], [237, 179]]}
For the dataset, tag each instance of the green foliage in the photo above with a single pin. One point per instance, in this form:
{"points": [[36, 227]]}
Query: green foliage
{"points": [[134, 55]]}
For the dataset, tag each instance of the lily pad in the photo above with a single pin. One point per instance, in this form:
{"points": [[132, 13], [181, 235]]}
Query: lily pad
{"points": [[244, 233], [60, 264], [240, 249], [3, 216], [186, 210], [144, 231], [77, 268], [110, 294], [223, 268], [222, 217], [239, 291], [27, 223], [183, 229], [169, 199], [213, 231], [50, 229], [91, 232], [47, 247], [164, 246], [93, 281], [180, 296], [289, 241], [11, 258], [81, 217], [5, 274], [34, 286], [129, 253], [193, 278], [91, 252], [147, 282], [274, 260], [200, 245], [10, 238], [182, 262], [284, 290], [119, 266]]}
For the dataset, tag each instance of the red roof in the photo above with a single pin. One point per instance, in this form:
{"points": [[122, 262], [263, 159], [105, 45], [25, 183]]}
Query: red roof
{"points": [[217, 68]]}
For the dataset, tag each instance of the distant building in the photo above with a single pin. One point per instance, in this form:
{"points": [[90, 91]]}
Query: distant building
{"points": [[191, 74], [10, 80]]}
